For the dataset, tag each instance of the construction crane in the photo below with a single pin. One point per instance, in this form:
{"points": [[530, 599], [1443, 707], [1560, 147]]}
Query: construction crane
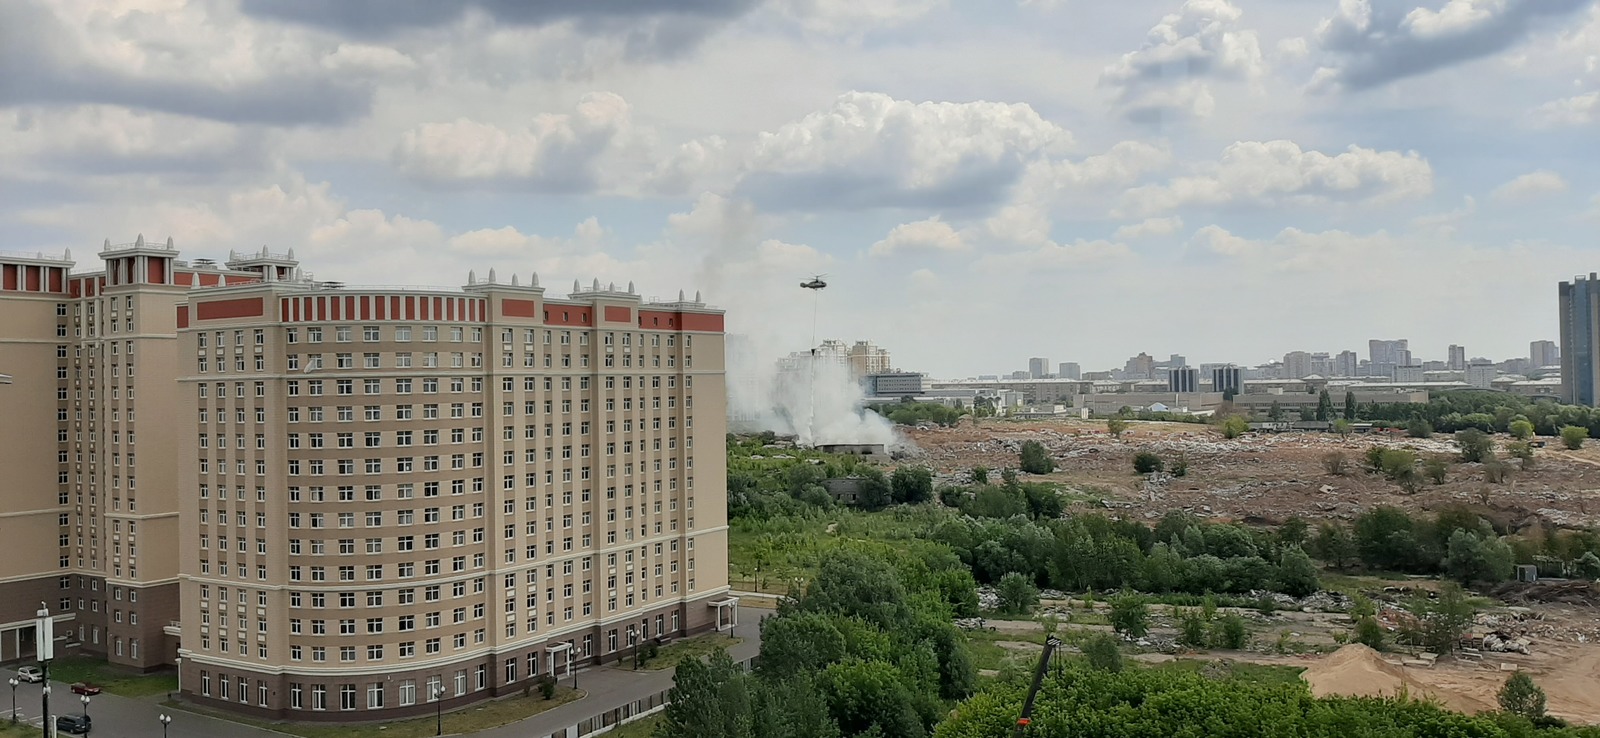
{"points": [[1026, 718]]}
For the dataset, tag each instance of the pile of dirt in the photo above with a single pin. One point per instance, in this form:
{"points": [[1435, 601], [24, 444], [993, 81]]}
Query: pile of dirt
{"points": [[1358, 671], [1569, 592]]}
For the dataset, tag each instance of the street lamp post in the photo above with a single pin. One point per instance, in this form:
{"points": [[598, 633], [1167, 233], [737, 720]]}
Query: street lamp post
{"points": [[438, 709], [633, 642], [13, 681], [44, 696], [45, 633], [165, 721], [85, 700]]}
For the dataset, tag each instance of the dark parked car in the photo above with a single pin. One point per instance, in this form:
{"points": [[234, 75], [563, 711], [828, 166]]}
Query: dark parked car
{"points": [[85, 688], [74, 724]]}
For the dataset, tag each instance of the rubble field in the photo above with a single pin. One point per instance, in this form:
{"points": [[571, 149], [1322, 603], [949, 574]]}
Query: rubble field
{"points": [[1550, 630]]}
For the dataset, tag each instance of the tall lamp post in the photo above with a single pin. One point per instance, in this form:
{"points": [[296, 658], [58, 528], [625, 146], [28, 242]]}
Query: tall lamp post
{"points": [[85, 700], [46, 635], [438, 709], [165, 721], [13, 681]]}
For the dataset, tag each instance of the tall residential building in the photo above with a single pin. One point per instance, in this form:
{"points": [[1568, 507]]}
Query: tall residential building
{"points": [[88, 448], [1038, 368], [1345, 364], [1458, 358], [1177, 360], [1544, 353], [867, 359], [392, 492], [1395, 352], [1070, 370], [1579, 304], [1140, 367], [1296, 365]]}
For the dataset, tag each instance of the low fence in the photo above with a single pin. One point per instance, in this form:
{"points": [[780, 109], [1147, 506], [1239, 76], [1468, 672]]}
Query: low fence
{"points": [[607, 721]]}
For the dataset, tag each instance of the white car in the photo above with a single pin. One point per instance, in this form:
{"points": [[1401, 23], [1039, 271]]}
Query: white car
{"points": [[30, 674]]}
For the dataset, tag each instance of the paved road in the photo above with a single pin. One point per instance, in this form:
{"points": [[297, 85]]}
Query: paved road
{"points": [[125, 717]]}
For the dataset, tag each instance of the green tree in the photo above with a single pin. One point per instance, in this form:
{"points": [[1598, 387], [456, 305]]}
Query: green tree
{"points": [[1275, 412], [1016, 594], [1234, 426], [1476, 446], [1435, 469], [1103, 653], [799, 643], [1229, 632], [1334, 545], [1116, 427], [1369, 633], [1342, 427], [1192, 629], [1573, 436], [1350, 406], [1521, 451], [911, 485], [1419, 428], [1588, 565], [1441, 621], [1297, 575], [1520, 696], [1035, 459], [875, 493], [980, 475], [1521, 429], [1129, 615], [1472, 558], [709, 698], [1146, 462], [1324, 406]]}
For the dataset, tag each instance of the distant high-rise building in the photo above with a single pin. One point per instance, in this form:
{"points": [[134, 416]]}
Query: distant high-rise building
{"points": [[1070, 370], [1579, 304], [1038, 368], [1458, 358], [1481, 375], [1544, 353], [1397, 352], [1176, 360], [1345, 364], [1140, 367], [1226, 379], [1183, 379], [1296, 365], [1322, 364], [867, 359]]}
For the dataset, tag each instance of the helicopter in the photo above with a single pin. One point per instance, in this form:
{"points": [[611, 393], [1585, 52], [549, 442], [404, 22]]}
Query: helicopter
{"points": [[816, 283]]}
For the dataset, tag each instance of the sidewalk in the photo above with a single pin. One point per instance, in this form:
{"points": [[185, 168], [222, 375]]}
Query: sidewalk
{"points": [[609, 688]]}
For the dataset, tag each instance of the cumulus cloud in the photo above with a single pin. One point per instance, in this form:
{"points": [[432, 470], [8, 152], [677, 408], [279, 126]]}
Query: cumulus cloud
{"points": [[49, 142], [1531, 186], [1370, 44], [1266, 172], [555, 152], [1173, 71], [851, 16], [931, 235], [1057, 257], [1295, 250], [1571, 111], [194, 60], [1149, 228], [871, 150]]}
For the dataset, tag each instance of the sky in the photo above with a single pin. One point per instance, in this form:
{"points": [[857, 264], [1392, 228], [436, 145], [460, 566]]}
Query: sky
{"points": [[981, 182]]}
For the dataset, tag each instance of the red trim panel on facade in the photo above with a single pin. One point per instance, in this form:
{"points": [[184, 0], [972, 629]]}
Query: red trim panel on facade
{"points": [[156, 271], [618, 314], [31, 275], [57, 277], [8, 276], [244, 307], [519, 308], [701, 322], [183, 316]]}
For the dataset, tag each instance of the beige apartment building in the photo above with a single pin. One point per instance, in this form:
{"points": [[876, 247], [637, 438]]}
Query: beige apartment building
{"points": [[392, 497], [345, 503], [89, 509]]}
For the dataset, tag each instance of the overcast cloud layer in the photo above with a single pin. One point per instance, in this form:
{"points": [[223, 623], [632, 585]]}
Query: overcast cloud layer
{"points": [[982, 181]]}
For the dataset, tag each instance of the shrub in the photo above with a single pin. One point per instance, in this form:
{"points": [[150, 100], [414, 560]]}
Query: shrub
{"points": [[1103, 653], [1335, 463], [1116, 427], [1146, 462], [1523, 452], [1374, 459], [1520, 696], [1521, 429], [1179, 466], [1234, 427], [547, 687], [1192, 629], [1230, 633], [1496, 471], [1035, 460], [1369, 633], [1129, 615], [980, 475], [1573, 436], [1017, 594], [1436, 469], [1476, 446], [1419, 428]]}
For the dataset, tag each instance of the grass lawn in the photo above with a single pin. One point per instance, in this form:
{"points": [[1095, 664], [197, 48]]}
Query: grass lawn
{"points": [[687, 648], [773, 555], [1244, 672], [638, 728], [19, 731], [111, 678], [483, 716]]}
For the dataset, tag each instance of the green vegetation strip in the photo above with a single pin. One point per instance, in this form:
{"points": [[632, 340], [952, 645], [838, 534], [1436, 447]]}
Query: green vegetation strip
{"points": [[469, 720]]}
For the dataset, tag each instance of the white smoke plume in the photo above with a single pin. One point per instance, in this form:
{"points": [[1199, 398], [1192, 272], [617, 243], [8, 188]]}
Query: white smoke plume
{"points": [[813, 398]]}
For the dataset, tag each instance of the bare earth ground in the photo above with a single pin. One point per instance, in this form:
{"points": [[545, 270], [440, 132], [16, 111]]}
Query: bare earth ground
{"points": [[1269, 478]]}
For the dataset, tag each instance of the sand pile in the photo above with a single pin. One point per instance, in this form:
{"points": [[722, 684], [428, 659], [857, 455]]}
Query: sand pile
{"points": [[1358, 671]]}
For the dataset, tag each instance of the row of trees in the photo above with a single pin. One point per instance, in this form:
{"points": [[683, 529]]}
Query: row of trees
{"points": [[867, 649], [1457, 542], [1085, 552], [1490, 412], [764, 487]]}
